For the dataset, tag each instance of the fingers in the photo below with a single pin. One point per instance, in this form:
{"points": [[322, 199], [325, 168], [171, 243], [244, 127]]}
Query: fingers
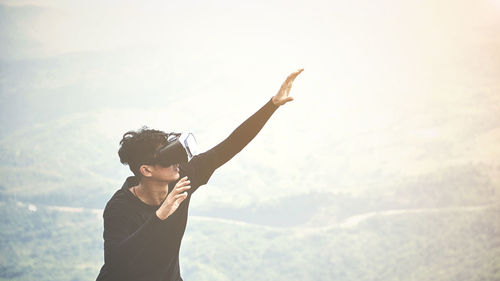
{"points": [[289, 80], [181, 189], [182, 182], [293, 75], [181, 186], [181, 196], [282, 96], [180, 193]]}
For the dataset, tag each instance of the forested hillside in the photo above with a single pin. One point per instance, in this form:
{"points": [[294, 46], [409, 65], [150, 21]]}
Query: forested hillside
{"points": [[448, 244]]}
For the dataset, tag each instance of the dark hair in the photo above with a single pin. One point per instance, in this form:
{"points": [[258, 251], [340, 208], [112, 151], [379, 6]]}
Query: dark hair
{"points": [[139, 148]]}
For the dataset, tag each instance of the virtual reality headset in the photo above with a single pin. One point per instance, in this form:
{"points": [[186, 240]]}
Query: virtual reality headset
{"points": [[180, 149]]}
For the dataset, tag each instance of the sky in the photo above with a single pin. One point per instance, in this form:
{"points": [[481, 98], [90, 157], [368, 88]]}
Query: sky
{"points": [[403, 78]]}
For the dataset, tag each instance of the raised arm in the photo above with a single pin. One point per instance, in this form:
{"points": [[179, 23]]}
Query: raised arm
{"points": [[206, 163]]}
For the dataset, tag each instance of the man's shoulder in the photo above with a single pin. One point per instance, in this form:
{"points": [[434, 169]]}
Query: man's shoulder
{"points": [[121, 198], [117, 203]]}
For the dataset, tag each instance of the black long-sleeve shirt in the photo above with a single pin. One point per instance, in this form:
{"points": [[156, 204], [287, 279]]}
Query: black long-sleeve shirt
{"points": [[138, 245]]}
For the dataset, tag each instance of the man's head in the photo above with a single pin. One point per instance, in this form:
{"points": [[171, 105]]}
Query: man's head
{"points": [[139, 149]]}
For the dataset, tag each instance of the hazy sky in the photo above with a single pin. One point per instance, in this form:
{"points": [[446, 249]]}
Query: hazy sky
{"points": [[365, 56], [377, 73]]}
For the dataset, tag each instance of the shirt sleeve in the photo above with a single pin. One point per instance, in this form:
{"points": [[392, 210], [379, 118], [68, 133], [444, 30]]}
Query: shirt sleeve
{"points": [[202, 166]]}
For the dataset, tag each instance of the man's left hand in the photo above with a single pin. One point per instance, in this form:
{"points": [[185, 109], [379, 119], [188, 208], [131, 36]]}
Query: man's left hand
{"points": [[282, 96]]}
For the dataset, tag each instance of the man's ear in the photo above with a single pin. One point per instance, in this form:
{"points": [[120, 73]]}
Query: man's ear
{"points": [[145, 171]]}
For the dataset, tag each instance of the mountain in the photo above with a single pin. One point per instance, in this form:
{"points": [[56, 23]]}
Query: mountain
{"points": [[461, 244]]}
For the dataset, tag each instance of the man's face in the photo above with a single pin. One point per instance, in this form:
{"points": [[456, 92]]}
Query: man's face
{"points": [[166, 174]]}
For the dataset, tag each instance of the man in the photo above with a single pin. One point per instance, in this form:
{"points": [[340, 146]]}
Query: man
{"points": [[145, 220]]}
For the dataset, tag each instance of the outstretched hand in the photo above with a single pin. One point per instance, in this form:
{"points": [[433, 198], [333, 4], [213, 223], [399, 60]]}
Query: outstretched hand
{"points": [[282, 96]]}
